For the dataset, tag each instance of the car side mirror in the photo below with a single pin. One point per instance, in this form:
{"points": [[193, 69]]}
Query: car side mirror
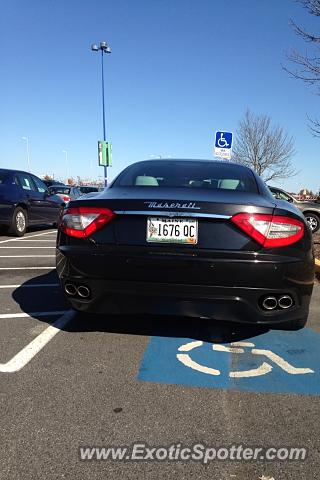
{"points": [[290, 200]]}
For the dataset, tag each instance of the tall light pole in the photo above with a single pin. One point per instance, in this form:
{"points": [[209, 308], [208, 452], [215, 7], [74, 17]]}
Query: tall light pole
{"points": [[67, 163], [104, 48], [28, 153]]}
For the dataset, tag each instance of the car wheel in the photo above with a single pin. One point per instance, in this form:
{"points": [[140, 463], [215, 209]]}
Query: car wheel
{"points": [[18, 225], [313, 221]]}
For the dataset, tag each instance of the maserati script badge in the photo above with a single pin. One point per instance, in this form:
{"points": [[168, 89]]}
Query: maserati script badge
{"points": [[160, 205]]}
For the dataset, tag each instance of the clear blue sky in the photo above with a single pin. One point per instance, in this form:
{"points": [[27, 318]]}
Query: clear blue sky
{"points": [[179, 70]]}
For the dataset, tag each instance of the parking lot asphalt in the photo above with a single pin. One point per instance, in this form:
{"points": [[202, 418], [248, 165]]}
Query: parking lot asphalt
{"points": [[68, 382]]}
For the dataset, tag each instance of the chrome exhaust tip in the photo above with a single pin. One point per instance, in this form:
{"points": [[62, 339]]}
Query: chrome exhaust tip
{"points": [[70, 289], [285, 301], [83, 291], [269, 303]]}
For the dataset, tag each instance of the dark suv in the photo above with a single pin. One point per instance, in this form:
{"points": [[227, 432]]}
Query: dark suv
{"points": [[25, 200], [311, 210]]}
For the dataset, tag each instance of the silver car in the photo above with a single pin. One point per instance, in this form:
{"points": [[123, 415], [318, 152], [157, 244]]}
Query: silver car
{"points": [[66, 192]]}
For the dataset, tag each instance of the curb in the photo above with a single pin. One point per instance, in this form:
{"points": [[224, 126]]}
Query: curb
{"points": [[317, 265]]}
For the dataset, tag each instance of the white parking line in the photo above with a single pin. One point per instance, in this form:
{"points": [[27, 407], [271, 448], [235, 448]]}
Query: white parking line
{"points": [[34, 285], [28, 268], [27, 353], [38, 240], [32, 314], [24, 248], [27, 256], [29, 236]]}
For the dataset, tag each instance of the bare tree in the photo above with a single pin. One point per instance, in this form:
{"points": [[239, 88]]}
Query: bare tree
{"points": [[307, 66], [266, 149]]}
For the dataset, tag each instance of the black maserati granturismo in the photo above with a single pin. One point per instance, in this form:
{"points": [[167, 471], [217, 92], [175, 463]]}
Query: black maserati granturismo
{"points": [[195, 238]]}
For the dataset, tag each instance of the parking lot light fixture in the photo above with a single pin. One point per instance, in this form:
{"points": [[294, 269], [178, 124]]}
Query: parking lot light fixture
{"points": [[104, 48], [26, 139]]}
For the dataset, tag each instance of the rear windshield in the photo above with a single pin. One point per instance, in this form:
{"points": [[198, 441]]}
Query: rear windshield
{"points": [[64, 190], [3, 175], [197, 174]]}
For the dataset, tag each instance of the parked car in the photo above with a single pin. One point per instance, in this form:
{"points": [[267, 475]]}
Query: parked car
{"points": [[50, 183], [66, 192], [89, 189], [189, 237], [311, 210], [25, 200]]}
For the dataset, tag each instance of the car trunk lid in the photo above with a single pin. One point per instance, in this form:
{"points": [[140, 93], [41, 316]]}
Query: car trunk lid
{"points": [[211, 210]]}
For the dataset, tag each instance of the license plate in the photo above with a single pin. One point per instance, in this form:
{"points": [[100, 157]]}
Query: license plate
{"points": [[172, 230]]}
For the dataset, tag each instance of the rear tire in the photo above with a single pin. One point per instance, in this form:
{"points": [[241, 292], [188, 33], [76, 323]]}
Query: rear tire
{"points": [[313, 221], [19, 222]]}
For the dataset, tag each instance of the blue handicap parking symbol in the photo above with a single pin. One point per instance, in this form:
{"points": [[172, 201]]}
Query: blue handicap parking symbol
{"points": [[276, 361], [223, 140]]}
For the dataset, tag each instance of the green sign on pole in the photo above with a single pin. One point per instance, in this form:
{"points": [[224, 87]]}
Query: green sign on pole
{"points": [[105, 153], [109, 154]]}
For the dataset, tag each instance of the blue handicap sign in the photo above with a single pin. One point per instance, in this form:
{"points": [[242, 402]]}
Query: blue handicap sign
{"points": [[275, 362], [223, 140]]}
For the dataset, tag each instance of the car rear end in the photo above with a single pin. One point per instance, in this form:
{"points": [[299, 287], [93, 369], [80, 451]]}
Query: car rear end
{"points": [[63, 192], [212, 250]]}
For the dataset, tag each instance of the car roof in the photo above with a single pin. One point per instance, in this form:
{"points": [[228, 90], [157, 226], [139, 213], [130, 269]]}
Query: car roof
{"points": [[14, 170], [193, 160]]}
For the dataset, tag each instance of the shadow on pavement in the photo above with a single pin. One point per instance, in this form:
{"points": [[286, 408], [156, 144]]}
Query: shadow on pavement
{"points": [[42, 299], [166, 326], [51, 298]]}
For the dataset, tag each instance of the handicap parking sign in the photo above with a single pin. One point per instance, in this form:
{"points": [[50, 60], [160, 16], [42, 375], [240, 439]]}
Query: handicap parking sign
{"points": [[223, 144], [275, 362]]}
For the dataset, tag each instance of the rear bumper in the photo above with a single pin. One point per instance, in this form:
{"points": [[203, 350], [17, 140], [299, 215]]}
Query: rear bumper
{"points": [[119, 285]]}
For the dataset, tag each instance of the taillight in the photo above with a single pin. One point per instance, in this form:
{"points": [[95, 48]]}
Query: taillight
{"points": [[66, 198], [270, 230], [81, 222]]}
